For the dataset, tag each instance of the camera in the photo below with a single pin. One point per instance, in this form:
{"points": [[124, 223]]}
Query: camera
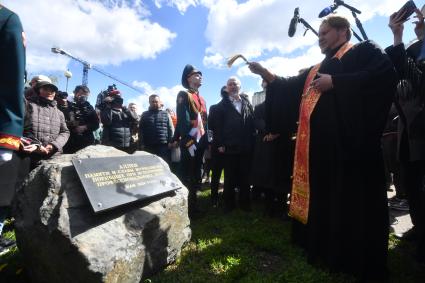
{"points": [[62, 95], [106, 97]]}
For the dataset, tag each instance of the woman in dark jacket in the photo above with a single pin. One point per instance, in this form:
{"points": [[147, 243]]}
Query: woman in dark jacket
{"points": [[45, 131]]}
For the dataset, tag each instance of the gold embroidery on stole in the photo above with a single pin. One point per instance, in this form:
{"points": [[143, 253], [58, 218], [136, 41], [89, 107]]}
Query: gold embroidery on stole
{"points": [[300, 193]]}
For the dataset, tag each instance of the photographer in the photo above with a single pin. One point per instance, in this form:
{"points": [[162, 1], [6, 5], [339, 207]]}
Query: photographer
{"points": [[62, 102], [81, 120], [411, 126], [102, 100], [117, 122]]}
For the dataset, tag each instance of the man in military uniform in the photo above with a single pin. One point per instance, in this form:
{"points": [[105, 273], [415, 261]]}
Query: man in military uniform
{"points": [[191, 120], [12, 76]]}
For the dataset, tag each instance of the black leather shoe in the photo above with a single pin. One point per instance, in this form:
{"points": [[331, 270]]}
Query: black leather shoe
{"points": [[410, 235]]}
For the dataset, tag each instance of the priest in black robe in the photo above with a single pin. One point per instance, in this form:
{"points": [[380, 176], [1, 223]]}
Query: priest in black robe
{"points": [[337, 112]]}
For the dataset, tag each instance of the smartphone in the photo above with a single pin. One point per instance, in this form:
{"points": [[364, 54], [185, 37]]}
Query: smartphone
{"points": [[28, 141], [408, 9]]}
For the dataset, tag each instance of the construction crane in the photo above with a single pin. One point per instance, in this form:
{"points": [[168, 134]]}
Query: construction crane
{"points": [[87, 66]]}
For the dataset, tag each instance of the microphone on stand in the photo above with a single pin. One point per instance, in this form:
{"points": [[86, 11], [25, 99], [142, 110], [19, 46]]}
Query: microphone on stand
{"points": [[328, 10], [294, 21]]}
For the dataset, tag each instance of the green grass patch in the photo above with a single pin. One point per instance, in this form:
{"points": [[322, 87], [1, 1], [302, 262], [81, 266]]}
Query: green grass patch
{"points": [[11, 266], [243, 247]]}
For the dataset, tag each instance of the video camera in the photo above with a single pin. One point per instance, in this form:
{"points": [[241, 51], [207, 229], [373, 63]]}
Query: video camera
{"points": [[62, 95], [109, 96]]}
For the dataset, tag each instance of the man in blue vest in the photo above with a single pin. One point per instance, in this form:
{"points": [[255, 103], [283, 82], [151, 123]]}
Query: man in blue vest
{"points": [[156, 130]]}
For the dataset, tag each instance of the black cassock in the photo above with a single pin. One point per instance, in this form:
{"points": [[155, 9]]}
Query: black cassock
{"points": [[347, 226]]}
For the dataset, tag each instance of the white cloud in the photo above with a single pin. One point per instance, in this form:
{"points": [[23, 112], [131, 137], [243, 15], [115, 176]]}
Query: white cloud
{"points": [[167, 95], [215, 60], [183, 5], [252, 28], [256, 27], [101, 32]]}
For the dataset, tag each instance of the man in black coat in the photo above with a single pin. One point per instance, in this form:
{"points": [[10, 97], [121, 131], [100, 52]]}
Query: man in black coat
{"points": [[156, 130], [338, 190], [235, 140], [411, 126], [217, 158]]}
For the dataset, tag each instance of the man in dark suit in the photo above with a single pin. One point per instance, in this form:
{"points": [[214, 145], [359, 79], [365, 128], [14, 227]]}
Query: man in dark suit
{"points": [[235, 141], [217, 158], [12, 76]]}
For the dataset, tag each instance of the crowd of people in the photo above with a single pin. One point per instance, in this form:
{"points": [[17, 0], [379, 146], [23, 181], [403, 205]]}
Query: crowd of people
{"points": [[322, 147]]}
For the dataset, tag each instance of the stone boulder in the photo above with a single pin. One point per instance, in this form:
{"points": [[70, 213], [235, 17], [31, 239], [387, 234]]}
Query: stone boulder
{"points": [[62, 240]]}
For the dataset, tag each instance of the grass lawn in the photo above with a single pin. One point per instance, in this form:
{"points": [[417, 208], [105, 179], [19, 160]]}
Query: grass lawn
{"points": [[243, 247]]}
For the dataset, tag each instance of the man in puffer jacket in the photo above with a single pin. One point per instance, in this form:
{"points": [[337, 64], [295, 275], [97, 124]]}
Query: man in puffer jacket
{"points": [[45, 131], [155, 129], [117, 123]]}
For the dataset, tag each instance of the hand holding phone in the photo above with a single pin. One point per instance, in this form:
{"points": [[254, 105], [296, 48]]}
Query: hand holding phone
{"points": [[406, 11]]}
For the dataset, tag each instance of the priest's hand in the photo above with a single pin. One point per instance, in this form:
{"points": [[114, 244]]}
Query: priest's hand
{"points": [[323, 82], [256, 68]]}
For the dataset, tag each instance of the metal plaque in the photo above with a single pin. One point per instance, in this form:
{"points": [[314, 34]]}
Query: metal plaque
{"points": [[113, 181]]}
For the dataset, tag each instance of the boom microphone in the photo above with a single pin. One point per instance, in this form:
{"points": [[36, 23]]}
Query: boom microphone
{"points": [[294, 21], [328, 10]]}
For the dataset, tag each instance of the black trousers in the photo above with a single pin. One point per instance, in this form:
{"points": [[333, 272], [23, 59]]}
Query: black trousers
{"points": [[12, 174], [216, 168], [237, 169], [392, 165], [191, 170], [161, 150], [413, 176]]}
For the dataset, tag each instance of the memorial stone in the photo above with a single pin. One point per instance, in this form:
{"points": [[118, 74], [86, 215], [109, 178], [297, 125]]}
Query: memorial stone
{"points": [[62, 239]]}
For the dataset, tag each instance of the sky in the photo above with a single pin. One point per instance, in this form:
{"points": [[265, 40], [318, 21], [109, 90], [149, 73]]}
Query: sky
{"points": [[148, 43]]}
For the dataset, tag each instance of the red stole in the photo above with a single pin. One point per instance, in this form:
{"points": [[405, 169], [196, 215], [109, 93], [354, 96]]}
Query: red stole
{"points": [[300, 194]]}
